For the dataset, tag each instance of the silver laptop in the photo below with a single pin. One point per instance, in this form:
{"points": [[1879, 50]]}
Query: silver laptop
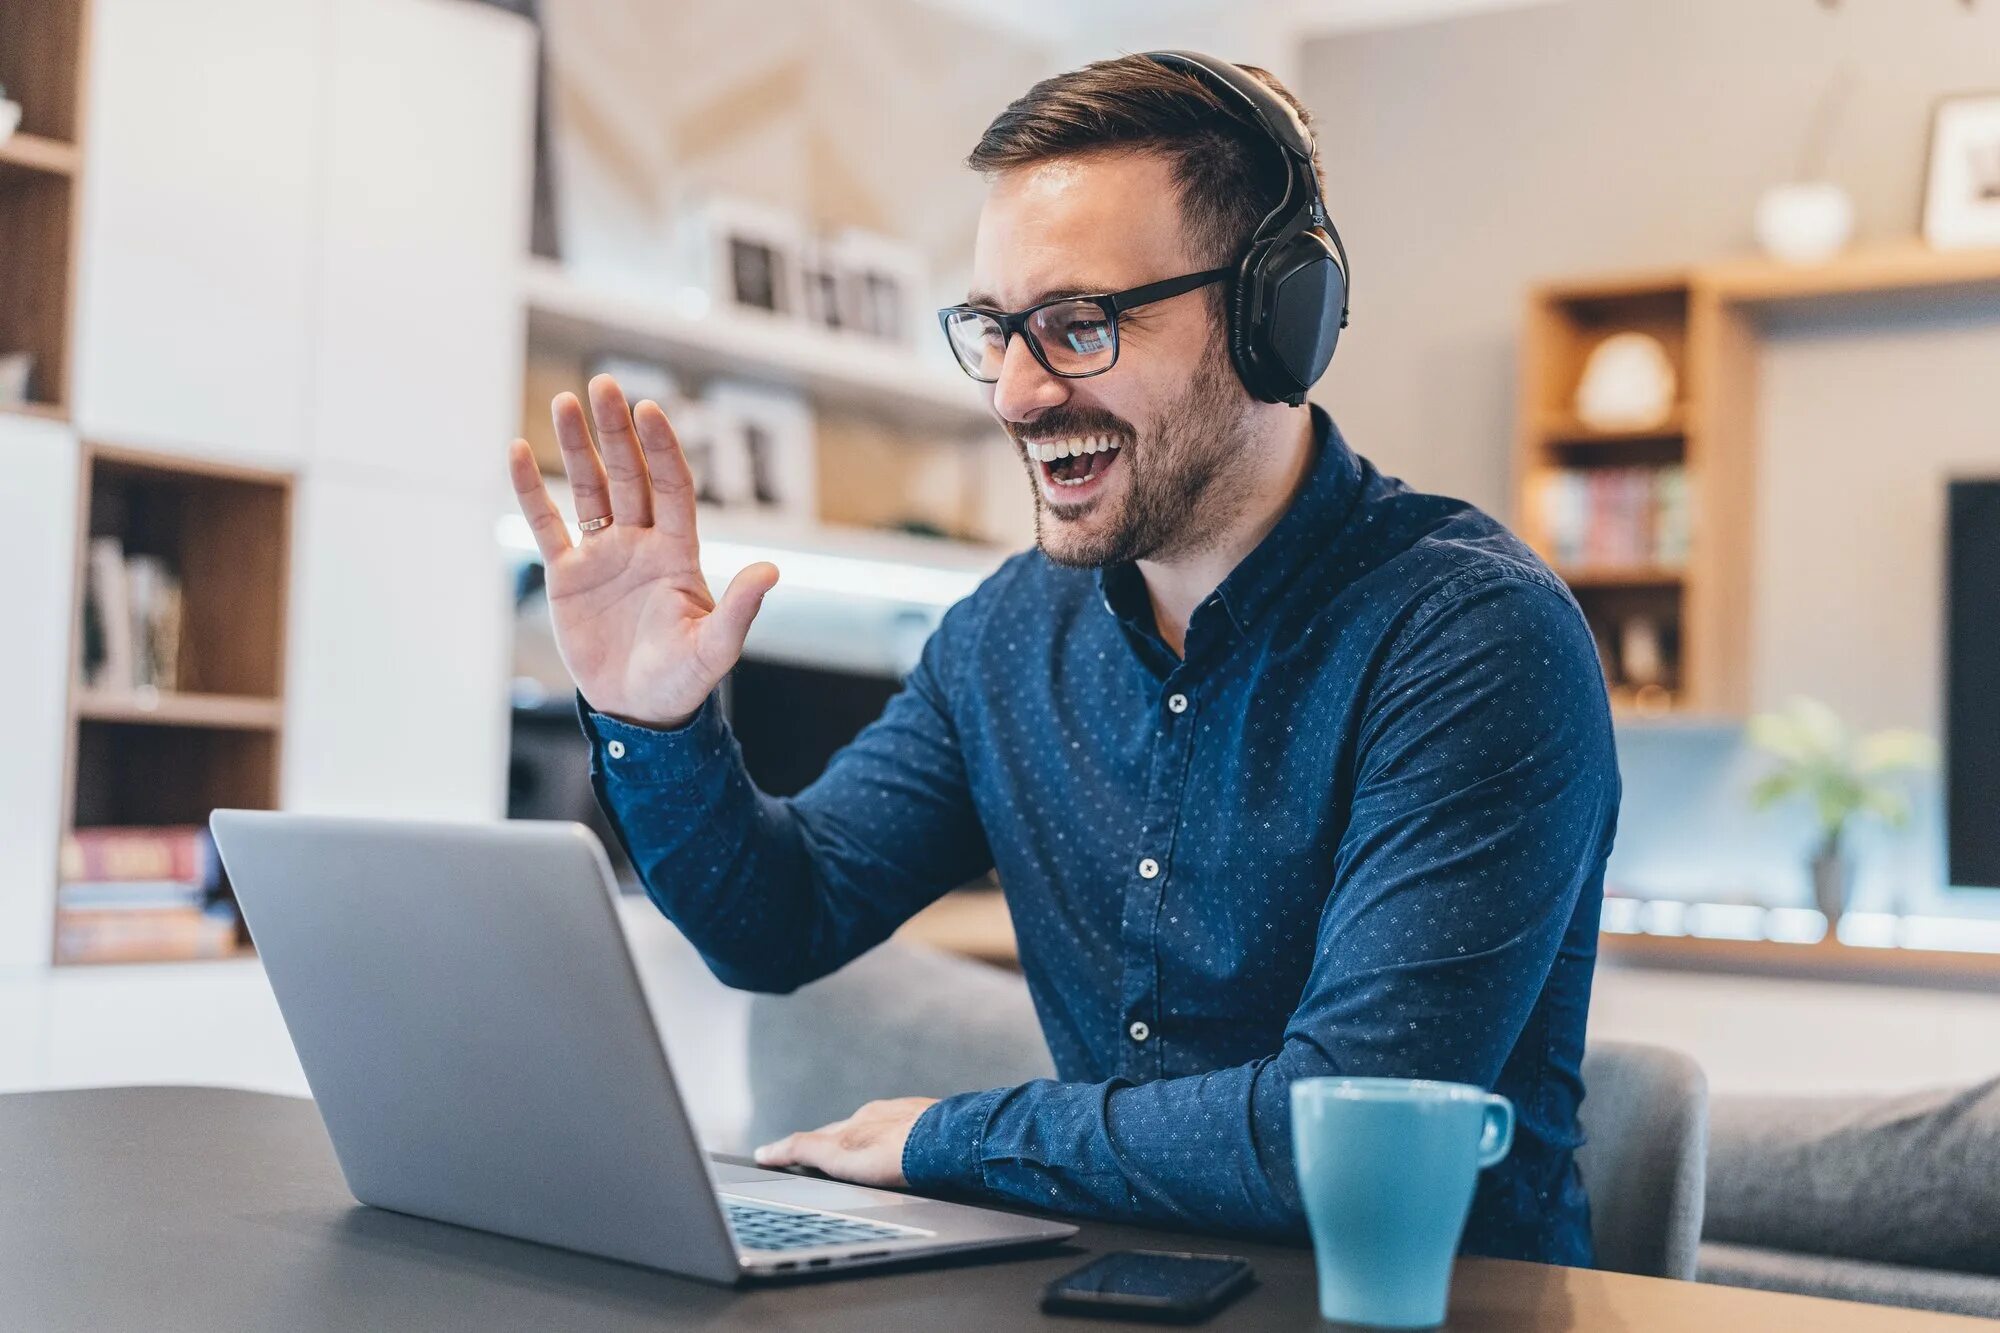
{"points": [[474, 1033]]}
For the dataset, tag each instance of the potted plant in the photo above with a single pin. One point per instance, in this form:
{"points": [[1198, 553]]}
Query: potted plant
{"points": [[1843, 777]]}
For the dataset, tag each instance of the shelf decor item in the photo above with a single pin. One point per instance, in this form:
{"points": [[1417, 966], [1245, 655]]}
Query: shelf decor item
{"points": [[740, 255], [1962, 199], [1804, 222], [10, 115], [1627, 384], [1843, 777]]}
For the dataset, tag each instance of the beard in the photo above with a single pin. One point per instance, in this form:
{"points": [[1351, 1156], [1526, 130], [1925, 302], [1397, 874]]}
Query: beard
{"points": [[1172, 503]]}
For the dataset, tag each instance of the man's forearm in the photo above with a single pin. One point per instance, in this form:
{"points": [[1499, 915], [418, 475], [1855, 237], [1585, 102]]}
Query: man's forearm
{"points": [[723, 861], [1207, 1152]]}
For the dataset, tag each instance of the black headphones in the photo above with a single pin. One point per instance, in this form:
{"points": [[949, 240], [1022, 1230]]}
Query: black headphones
{"points": [[1289, 301]]}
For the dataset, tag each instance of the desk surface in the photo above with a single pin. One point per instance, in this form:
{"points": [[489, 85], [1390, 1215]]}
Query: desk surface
{"points": [[190, 1208]]}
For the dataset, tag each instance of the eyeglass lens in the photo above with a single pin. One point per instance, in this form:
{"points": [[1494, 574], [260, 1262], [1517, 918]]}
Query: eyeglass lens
{"points": [[1075, 338]]}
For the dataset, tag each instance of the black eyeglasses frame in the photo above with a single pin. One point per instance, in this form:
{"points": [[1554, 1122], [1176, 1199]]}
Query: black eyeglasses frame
{"points": [[1113, 304]]}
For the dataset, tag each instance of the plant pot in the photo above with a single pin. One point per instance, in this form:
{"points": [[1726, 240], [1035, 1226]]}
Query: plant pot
{"points": [[1833, 885], [1804, 223]]}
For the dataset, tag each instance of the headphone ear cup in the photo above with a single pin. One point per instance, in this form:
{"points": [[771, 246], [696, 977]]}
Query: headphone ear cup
{"points": [[1244, 319], [1303, 294]]}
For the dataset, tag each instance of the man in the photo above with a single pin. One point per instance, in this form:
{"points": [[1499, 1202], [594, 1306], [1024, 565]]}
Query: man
{"points": [[1287, 770]]}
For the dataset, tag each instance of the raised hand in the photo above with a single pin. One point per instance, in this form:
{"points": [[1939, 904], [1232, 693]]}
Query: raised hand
{"points": [[634, 620]]}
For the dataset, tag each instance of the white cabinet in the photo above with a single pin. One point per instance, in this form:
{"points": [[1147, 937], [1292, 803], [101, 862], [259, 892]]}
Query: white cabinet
{"points": [[399, 653], [429, 153], [38, 512], [397, 700], [201, 190]]}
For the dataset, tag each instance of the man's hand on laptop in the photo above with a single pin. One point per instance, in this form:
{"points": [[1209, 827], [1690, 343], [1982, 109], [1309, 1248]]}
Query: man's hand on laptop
{"points": [[637, 627], [866, 1148]]}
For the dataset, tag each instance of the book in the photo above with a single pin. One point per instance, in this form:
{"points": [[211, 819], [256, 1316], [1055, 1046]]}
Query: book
{"points": [[180, 853], [109, 595], [1616, 517], [143, 935], [130, 895]]}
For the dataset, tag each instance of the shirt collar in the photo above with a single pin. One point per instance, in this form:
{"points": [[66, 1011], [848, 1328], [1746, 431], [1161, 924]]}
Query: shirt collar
{"points": [[1306, 529]]}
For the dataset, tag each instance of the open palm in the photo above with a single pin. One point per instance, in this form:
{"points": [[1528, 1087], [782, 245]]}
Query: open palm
{"points": [[641, 635]]}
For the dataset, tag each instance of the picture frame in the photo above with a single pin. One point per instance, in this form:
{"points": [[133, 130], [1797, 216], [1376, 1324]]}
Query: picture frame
{"points": [[882, 284], [764, 455], [1962, 191], [745, 256]]}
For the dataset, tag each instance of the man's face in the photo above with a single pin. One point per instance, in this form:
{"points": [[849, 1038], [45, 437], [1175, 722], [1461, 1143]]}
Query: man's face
{"points": [[1172, 405]]}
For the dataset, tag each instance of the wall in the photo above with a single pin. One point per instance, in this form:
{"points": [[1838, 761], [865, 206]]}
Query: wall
{"points": [[1469, 157]]}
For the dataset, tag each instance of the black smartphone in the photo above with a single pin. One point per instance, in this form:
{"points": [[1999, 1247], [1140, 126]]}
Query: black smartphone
{"points": [[1158, 1285]]}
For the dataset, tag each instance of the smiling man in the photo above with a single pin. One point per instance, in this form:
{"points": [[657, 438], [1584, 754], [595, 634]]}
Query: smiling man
{"points": [[1286, 768]]}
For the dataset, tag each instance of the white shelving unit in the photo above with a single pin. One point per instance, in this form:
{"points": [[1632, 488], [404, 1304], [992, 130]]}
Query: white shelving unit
{"points": [[885, 381]]}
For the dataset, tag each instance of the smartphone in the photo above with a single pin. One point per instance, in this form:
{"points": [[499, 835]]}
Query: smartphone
{"points": [[1157, 1285]]}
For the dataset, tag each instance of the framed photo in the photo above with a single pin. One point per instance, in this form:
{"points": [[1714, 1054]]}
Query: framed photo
{"points": [[1962, 199], [745, 256], [764, 452], [882, 284]]}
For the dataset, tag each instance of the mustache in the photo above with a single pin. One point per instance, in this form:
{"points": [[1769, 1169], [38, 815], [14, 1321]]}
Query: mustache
{"points": [[1065, 424]]}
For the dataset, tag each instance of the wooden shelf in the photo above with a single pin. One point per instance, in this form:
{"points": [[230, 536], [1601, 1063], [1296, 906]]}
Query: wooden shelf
{"points": [[975, 923], [1881, 270], [1559, 429], [1624, 576], [46, 411], [34, 152], [880, 379], [1824, 960], [223, 711], [170, 757], [150, 957]]}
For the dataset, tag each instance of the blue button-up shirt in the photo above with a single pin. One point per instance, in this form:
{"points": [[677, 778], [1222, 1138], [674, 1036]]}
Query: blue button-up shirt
{"points": [[1360, 829]]}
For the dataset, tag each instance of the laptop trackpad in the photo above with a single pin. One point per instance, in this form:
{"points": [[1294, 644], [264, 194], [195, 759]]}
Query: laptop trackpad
{"points": [[799, 1192]]}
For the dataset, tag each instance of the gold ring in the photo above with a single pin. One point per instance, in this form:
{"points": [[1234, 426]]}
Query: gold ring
{"points": [[593, 524]]}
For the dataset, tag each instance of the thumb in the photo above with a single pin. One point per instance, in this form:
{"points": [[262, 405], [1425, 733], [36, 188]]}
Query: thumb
{"points": [[730, 621]]}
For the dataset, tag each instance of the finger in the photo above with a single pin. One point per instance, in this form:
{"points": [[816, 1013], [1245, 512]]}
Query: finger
{"points": [[782, 1153], [588, 486], [537, 506], [618, 445], [724, 629], [673, 483]]}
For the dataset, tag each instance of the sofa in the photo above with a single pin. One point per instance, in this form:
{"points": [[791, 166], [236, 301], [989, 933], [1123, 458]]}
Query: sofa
{"points": [[1894, 1200]]}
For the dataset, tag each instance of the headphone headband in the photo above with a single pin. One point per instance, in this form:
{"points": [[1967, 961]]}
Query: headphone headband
{"points": [[1293, 274]]}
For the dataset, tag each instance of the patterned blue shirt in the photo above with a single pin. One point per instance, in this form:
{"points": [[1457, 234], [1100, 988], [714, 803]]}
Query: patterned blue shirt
{"points": [[1361, 829]]}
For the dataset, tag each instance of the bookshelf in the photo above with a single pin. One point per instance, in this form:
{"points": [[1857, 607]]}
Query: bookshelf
{"points": [[42, 46], [207, 729], [1693, 612]]}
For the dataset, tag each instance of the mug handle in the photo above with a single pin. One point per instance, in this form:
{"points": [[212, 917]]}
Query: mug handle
{"points": [[1497, 1135]]}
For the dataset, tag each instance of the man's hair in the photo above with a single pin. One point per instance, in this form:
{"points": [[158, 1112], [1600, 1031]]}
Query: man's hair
{"points": [[1227, 169]]}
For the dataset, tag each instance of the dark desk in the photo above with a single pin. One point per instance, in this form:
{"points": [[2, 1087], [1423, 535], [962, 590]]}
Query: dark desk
{"points": [[187, 1208]]}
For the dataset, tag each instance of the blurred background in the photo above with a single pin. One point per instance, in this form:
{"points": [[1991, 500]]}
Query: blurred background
{"points": [[1702, 298]]}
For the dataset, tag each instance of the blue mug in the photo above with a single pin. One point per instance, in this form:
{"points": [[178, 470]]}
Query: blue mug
{"points": [[1387, 1168]]}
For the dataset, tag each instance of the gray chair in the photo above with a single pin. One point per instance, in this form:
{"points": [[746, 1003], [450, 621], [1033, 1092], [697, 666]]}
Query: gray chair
{"points": [[1644, 1158], [907, 1021], [1893, 1199]]}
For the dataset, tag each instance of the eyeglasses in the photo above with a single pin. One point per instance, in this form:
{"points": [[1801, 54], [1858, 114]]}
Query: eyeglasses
{"points": [[1072, 336]]}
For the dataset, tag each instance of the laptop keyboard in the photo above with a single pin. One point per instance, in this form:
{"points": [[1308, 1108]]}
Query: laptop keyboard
{"points": [[760, 1226]]}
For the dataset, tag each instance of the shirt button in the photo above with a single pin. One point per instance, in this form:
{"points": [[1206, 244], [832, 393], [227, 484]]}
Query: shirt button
{"points": [[1139, 1031], [616, 749], [1148, 868], [1177, 703]]}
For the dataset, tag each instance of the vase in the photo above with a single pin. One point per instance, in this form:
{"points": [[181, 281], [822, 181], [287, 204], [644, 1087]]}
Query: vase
{"points": [[1833, 882], [1804, 223]]}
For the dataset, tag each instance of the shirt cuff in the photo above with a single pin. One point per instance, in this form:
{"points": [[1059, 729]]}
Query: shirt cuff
{"points": [[648, 755], [944, 1149]]}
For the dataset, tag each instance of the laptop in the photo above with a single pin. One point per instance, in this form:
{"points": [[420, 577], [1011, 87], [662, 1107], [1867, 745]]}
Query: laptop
{"points": [[472, 1027]]}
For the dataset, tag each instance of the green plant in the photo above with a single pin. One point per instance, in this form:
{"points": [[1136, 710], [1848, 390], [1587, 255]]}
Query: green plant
{"points": [[1841, 775]]}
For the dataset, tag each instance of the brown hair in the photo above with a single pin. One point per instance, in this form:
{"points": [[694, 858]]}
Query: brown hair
{"points": [[1228, 171]]}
